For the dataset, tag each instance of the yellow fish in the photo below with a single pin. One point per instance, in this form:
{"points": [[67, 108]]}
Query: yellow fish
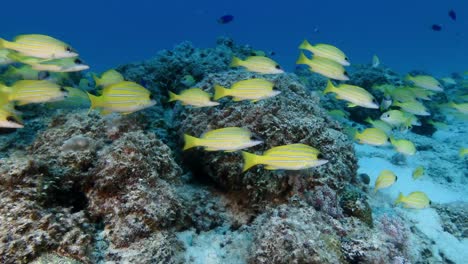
{"points": [[403, 146], [338, 114], [462, 108], [188, 80], [425, 81], [372, 136], [76, 98], [375, 61], [123, 97], [287, 157], [419, 93], [32, 91], [355, 95], [395, 118], [416, 200], [224, 139], [402, 94], [4, 57], [326, 51], [193, 96], [449, 81], [438, 125], [386, 179], [24, 72], [39, 46], [418, 172], [462, 152], [380, 125], [413, 107], [325, 67], [258, 64], [107, 78], [252, 89]]}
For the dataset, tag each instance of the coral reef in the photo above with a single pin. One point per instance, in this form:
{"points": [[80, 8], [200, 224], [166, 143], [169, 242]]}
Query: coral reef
{"points": [[454, 218], [293, 117], [84, 172], [300, 234]]}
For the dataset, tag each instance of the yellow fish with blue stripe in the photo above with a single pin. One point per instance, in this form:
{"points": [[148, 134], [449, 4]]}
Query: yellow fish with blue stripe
{"points": [[258, 64], [194, 97], [355, 95], [107, 78], [425, 81], [123, 97], [251, 89], [415, 200], [413, 107], [380, 125], [386, 179], [418, 172], [287, 157], [323, 66], [39, 46], [403, 146], [224, 139], [33, 91], [54, 65], [326, 51], [372, 136]]}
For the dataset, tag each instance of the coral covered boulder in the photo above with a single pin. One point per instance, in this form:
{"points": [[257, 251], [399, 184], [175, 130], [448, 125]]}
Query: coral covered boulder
{"points": [[294, 116]]}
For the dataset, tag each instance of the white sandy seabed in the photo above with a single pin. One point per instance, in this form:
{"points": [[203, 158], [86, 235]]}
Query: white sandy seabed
{"points": [[445, 181]]}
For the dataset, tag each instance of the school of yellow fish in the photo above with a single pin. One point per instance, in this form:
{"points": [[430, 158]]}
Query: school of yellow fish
{"points": [[41, 53]]}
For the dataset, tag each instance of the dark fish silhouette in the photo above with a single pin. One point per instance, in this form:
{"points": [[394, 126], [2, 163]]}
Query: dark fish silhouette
{"points": [[225, 19], [452, 15], [436, 27]]}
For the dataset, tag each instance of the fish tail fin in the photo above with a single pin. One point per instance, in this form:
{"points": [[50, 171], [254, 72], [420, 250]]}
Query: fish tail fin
{"points": [[96, 80], [399, 199], [329, 87], [407, 77], [173, 97], [236, 62], [368, 120], [4, 44], [357, 135], [190, 142], [94, 100], [302, 59], [220, 92], [250, 160], [305, 45]]}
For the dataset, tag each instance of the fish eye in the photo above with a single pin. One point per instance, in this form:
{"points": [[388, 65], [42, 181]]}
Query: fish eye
{"points": [[374, 101], [278, 67], [69, 49], [320, 156], [151, 97], [78, 61], [346, 73], [430, 202], [346, 59], [396, 178], [63, 89]]}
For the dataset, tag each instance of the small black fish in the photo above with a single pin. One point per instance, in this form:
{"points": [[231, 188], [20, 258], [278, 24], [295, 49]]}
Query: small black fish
{"points": [[436, 27], [225, 19], [452, 15]]}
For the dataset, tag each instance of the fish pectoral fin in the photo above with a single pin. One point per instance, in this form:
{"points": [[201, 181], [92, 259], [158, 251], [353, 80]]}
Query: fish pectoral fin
{"points": [[254, 101], [351, 105], [269, 167], [237, 99]]}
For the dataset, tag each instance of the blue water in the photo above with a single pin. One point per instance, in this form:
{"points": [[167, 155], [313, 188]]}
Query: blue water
{"points": [[109, 33]]}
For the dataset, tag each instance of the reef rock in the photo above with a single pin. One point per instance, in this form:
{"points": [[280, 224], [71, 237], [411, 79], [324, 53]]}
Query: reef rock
{"points": [[294, 116]]}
